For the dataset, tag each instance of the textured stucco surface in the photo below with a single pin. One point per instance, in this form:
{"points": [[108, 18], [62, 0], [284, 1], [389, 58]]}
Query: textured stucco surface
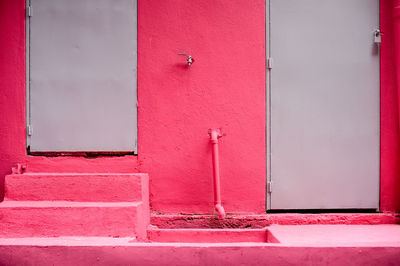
{"points": [[224, 88], [260, 221]]}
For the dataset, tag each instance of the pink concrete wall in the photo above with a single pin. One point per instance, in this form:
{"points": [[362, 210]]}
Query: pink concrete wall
{"points": [[390, 134], [225, 88]]}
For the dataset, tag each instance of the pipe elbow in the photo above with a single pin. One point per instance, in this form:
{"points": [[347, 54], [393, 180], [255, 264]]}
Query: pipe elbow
{"points": [[215, 134], [221, 211]]}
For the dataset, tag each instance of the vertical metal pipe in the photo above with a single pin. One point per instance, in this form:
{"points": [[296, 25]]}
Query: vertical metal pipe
{"points": [[214, 136]]}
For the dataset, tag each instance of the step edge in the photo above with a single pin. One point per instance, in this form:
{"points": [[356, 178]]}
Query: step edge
{"points": [[68, 241], [67, 204], [76, 174]]}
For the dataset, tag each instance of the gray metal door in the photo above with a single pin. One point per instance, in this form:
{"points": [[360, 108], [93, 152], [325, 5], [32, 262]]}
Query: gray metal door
{"points": [[323, 104], [82, 75]]}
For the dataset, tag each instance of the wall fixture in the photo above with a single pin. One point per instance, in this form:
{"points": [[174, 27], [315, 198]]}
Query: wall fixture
{"points": [[189, 59]]}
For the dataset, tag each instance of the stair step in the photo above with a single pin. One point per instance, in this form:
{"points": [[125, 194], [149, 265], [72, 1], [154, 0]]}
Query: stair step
{"points": [[81, 187], [66, 218], [195, 235]]}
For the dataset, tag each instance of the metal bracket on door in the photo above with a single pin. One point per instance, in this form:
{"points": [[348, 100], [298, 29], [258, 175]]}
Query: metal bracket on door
{"points": [[269, 186], [269, 63], [378, 36], [29, 11]]}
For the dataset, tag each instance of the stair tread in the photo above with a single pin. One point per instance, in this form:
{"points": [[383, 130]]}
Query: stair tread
{"points": [[75, 174], [65, 204], [69, 241]]}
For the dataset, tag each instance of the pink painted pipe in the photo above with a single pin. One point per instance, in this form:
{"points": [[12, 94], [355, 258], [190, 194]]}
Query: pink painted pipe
{"points": [[215, 134], [396, 28]]}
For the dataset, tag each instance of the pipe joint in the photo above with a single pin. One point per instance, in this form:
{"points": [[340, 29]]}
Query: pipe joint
{"points": [[221, 211], [215, 134]]}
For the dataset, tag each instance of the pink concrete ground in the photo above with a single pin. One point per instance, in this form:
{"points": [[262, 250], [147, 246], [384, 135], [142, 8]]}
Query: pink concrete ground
{"points": [[292, 235], [299, 245], [200, 254], [305, 235], [338, 235]]}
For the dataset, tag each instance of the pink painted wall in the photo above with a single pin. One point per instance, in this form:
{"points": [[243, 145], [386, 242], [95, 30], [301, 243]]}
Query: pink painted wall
{"points": [[224, 88], [390, 134]]}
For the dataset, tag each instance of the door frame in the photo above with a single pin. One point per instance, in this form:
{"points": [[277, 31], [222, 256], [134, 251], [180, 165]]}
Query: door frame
{"points": [[268, 63], [28, 14]]}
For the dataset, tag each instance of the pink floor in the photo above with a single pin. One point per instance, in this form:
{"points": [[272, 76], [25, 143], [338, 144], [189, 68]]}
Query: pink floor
{"points": [[338, 235], [294, 245], [290, 235]]}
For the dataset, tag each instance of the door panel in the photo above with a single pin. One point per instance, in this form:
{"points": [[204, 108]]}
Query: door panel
{"points": [[324, 104], [83, 75]]}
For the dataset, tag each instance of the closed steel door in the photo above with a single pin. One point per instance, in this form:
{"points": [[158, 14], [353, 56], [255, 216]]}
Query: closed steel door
{"points": [[82, 75], [323, 104]]}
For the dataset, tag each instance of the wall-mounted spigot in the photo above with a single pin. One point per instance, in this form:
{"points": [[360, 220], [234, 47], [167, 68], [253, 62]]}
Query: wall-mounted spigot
{"points": [[189, 59]]}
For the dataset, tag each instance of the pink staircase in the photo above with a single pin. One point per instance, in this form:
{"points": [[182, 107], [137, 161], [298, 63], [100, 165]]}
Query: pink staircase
{"points": [[70, 204], [103, 219]]}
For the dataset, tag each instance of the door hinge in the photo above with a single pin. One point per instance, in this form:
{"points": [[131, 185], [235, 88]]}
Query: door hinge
{"points": [[269, 186], [269, 63], [29, 11], [29, 130]]}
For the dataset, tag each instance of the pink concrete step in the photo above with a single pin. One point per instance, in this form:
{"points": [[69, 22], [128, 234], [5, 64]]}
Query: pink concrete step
{"points": [[337, 235], [66, 218], [293, 235], [196, 235], [93, 187]]}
